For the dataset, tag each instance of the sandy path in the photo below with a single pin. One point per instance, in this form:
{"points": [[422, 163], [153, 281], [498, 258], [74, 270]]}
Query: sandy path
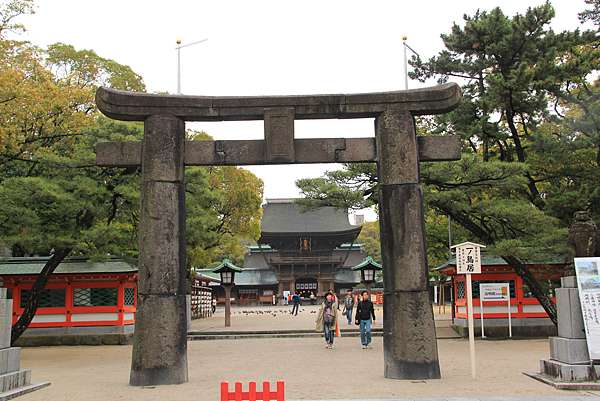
{"points": [[309, 370]]}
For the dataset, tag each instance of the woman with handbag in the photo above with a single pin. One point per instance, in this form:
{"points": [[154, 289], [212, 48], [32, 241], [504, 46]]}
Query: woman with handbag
{"points": [[327, 319]]}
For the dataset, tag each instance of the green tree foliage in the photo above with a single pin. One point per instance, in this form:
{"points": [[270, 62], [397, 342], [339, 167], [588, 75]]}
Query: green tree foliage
{"points": [[56, 202], [591, 14], [369, 239], [529, 125]]}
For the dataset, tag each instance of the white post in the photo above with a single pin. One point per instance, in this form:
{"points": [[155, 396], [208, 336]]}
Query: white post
{"points": [[178, 70], [481, 311], [435, 295], [405, 65], [470, 322], [509, 312], [178, 48]]}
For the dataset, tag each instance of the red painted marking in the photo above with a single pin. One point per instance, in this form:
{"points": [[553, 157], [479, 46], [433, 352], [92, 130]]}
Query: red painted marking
{"points": [[252, 395]]}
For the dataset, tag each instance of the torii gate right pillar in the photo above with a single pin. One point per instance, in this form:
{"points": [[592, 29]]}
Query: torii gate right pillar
{"points": [[409, 340]]}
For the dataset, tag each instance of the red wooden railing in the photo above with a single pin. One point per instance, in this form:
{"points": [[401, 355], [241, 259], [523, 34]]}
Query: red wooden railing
{"points": [[252, 395]]}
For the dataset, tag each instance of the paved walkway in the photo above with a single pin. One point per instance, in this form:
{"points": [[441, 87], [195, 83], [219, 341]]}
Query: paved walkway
{"points": [[309, 370], [550, 398]]}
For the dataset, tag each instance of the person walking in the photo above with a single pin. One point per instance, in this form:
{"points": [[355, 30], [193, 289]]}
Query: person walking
{"points": [[213, 305], [296, 303], [327, 319], [348, 306], [364, 312]]}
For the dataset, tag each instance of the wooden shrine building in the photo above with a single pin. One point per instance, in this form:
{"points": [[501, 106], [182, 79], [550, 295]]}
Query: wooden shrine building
{"points": [[304, 250], [528, 317], [81, 296]]}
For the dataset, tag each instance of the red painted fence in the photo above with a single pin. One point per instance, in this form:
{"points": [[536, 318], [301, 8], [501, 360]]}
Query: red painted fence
{"points": [[252, 395]]}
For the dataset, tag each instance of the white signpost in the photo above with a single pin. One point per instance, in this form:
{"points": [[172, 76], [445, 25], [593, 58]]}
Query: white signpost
{"points": [[494, 292], [588, 283], [468, 261]]}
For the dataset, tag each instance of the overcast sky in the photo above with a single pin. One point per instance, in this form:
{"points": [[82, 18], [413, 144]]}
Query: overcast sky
{"points": [[267, 48]]}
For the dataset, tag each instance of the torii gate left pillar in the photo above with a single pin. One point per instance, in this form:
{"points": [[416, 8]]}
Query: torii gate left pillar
{"points": [[159, 347]]}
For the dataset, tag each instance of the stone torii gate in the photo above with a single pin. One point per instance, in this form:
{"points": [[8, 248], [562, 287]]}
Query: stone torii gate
{"points": [[159, 346]]}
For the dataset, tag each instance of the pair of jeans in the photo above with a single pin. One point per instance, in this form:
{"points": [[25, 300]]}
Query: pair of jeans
{"points": [[365, 332], [329, 332], [349, 315], [295, 309]]}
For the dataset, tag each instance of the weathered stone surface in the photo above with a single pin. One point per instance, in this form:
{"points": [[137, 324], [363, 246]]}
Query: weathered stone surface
{"points": [[160, 347], [570, 318], [160, 263], [10, 360], [402, 237], [13, 380], [569, 373], [568, 282], [583, 236], [159, 344], [5, 322], [439, 148], [569, 350], [279, 135], [139, 106], [396, 148], [163, 149], [119, 154], [409, 341], [252, 152]]}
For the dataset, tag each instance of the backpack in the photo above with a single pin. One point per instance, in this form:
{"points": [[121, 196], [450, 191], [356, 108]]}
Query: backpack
{"points": [[328, 316]]}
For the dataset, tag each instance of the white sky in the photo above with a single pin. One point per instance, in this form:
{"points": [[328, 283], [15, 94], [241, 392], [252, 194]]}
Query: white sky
{"points": [[267, 48]]}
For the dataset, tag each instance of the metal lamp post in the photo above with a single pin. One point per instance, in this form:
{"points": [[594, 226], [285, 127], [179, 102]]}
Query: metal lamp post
{"points": [[227, 272], [406, 46], [178, 48]]}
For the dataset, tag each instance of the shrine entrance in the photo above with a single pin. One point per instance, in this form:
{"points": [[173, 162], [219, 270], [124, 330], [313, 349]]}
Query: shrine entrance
{"points": [[160, 341], [306, 286]]}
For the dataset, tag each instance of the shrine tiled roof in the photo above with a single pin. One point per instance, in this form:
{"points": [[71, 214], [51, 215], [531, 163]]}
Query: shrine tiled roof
{"points": [[247, 276], [75, 265], [290, 217]]}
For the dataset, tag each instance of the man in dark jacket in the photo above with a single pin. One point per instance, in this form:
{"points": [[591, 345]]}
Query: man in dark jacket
{"points": [[364, 312], [296, 303]]}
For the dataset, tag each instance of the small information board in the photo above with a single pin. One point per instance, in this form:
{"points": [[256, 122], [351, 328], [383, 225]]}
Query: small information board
{"points": [[468, 261], [588, 283], [494, 292], [468, 258]]}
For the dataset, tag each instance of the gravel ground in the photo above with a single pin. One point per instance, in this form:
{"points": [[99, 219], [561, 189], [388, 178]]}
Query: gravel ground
{"points": [[309, 370]]}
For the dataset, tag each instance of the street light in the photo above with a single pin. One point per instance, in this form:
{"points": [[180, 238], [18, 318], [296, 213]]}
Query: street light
{"points": [[178, 48], [227, 272], [406, 46], [367, 269]]}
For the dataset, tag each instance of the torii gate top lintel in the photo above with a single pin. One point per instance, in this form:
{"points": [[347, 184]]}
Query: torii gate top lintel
{"points": [[132, 106], [278, 113]]}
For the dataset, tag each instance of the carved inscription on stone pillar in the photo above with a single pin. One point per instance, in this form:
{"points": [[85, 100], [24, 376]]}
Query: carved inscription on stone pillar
{"points": [[279, 135]]}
